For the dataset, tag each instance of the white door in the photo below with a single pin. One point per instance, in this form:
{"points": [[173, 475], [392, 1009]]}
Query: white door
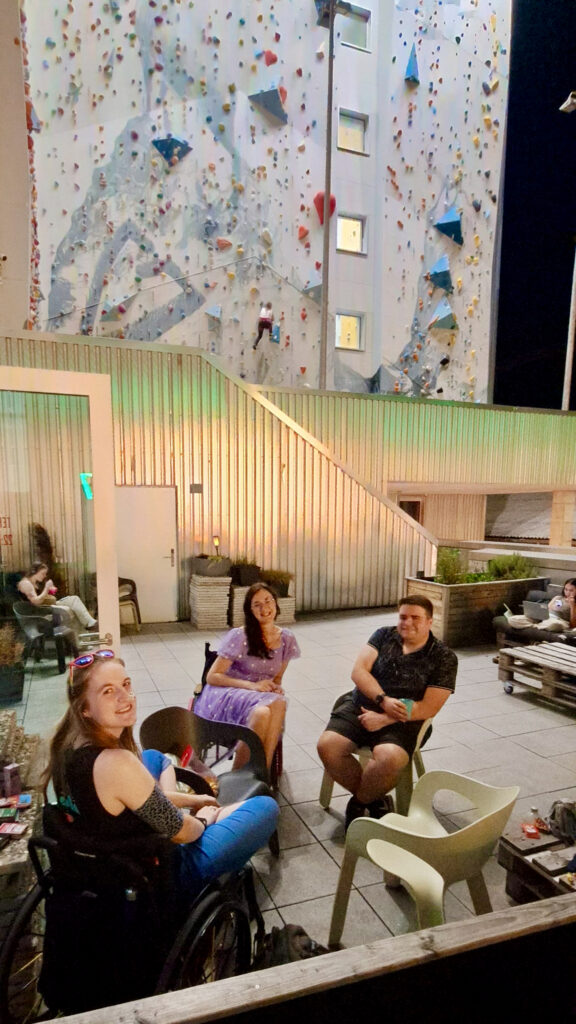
{"points": [[146, 538]]}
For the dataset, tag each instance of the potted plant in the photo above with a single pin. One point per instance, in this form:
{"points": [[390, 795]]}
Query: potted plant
{"points": [[278, 579], [11, 666], [244, 572], [210, 565], [466, 602]]}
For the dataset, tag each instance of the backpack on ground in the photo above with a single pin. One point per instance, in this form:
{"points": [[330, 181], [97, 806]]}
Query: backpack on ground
{"points": [[285, 946]]}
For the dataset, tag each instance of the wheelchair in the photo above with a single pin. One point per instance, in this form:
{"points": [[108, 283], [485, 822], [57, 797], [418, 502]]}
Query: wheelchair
{"points": [[103, 926]]}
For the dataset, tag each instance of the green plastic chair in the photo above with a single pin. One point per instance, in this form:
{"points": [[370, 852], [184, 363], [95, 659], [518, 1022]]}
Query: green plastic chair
{"points": [[405, 783], [456, 856]]}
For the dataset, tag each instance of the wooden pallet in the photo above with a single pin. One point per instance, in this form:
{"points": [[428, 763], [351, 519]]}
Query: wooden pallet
{"points": [[548, 668]]}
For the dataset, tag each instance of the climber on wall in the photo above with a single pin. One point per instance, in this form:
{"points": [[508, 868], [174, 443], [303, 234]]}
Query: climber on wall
{"points": [[265, 321]]}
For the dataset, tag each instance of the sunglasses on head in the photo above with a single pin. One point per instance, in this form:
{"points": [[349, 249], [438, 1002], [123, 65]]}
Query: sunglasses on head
{"points": [[88, 659]]}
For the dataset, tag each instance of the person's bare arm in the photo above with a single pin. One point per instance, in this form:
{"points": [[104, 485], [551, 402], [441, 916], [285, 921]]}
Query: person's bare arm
{"points": [[27, 588], [368, 685], [434, 698], [121, 780], [191, 801], [217, 677]]}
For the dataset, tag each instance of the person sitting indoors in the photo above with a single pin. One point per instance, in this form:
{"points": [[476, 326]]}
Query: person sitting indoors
{"points": [[561, 609], [99, 777], [403, 675], [39, 590], [243, 685]]}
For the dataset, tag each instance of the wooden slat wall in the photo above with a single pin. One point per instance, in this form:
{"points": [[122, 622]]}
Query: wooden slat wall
{"points": [[269, 490], [455, 515], [386, 438]]}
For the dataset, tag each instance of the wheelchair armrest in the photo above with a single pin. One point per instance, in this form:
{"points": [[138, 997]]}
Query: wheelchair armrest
{"points": [[42, 873]]}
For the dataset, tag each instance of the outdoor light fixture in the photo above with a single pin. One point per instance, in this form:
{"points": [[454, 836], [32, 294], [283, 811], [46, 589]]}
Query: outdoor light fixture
{"points": [[216, 542]]}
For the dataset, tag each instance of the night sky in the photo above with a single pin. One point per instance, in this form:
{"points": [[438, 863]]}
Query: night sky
{"points": [[539, 208]]}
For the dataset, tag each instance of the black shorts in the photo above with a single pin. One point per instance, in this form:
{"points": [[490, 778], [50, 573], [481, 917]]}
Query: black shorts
{"points": [[344, 721]]}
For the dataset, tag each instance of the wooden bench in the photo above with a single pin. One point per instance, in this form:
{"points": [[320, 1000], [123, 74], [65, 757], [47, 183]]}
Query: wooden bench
{"points": [[548, 668]]}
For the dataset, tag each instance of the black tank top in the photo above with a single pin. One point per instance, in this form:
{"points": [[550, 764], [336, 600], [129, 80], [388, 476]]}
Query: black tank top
{"points": [[93, 817]]}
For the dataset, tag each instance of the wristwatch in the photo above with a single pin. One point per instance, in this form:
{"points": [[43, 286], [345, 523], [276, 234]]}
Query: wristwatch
{"points": [[379, 699]]}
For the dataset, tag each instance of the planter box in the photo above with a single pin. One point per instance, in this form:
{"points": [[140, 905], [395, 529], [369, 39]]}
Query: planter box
{"points": [[11, 683], [210, 566], [463, 612], [244, 575]]}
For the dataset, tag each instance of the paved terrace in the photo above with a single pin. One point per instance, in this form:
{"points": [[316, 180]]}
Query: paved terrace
{"points": [[481, 732]]}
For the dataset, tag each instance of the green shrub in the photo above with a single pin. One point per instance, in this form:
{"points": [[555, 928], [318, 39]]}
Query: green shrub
{"points": [[510, 567], [449, 568]]}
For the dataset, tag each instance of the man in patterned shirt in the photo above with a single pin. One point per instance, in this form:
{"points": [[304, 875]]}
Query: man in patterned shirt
{"points": [[403, 675]]}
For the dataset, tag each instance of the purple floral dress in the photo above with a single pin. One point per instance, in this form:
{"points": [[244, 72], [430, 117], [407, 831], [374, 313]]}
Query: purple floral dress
{"points": [[233, 704]]}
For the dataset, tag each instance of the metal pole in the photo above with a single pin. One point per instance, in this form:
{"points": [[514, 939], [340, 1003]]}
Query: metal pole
{"points": [[570, 344], [327, 188]]}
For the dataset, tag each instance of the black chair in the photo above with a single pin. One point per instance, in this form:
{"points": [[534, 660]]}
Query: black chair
{"points": [[172, 730], [105, 924], [41, 626]]}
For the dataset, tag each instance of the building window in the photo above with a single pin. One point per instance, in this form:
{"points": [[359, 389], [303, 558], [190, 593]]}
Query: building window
{"points": [[352, 131], [349, 331], [350, 234], [354, 27]]}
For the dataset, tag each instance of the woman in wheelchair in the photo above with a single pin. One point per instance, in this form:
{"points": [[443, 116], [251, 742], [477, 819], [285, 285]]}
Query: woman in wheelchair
{"points": [[100, 779], [243, 686]]}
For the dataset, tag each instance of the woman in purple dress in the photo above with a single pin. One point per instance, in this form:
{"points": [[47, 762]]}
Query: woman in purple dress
{"points": [[243, 685]]}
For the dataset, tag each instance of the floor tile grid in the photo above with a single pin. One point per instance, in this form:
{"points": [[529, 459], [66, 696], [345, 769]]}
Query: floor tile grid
{"points": [[500, 739]]}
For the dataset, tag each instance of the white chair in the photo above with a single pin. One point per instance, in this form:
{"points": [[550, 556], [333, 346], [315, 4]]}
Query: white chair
{"points": [[404, 785], [453, 856]]}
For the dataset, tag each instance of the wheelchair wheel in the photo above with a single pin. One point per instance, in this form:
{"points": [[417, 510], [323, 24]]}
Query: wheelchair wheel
{"points": [[214, 943], [21, 960]]}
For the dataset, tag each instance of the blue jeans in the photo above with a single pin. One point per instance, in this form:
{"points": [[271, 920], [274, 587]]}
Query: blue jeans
{"points": [[226, 845]]}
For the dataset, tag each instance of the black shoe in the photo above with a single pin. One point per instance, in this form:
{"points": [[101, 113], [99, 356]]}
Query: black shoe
{"points": [[354, 809], [378, 808], [255, 346]]}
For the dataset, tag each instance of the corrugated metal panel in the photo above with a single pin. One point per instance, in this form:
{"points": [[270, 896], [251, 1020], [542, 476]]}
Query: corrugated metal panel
{"points": [[44, 446], [385, 438], [269, 491]]}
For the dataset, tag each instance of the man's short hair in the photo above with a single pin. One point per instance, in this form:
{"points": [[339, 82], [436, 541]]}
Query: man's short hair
{"points": [[420, 602]]}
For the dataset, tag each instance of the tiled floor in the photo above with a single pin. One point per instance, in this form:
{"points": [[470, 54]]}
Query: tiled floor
{"points": [[480, 732]]}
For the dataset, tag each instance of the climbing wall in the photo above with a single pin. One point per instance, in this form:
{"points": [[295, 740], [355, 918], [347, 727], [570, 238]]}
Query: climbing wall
{"points": [[176, 150], [442, 152], [176, 153]]}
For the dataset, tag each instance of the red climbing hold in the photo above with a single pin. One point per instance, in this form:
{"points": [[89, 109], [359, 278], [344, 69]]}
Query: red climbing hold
{"points": [[319, 204]]}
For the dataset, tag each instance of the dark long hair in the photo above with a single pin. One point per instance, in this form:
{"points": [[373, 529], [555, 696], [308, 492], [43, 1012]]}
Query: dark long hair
{"points": [[75, 730], [256, 643]]}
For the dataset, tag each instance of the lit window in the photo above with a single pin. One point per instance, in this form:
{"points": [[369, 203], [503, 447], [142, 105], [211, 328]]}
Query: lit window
{"points": [[353, 27], [348, 331], [350, 234], [352, 130]]}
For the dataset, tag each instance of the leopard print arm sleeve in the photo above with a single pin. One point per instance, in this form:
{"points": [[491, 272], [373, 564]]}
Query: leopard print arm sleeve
{"points": [[160, 814]]}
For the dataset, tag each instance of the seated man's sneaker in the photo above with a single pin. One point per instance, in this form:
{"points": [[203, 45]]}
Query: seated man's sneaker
{"points": [[378, 808], [354, 809]]}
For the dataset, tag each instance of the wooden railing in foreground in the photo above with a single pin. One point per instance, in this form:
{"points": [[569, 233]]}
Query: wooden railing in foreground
{"points": [[521, 960]]}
